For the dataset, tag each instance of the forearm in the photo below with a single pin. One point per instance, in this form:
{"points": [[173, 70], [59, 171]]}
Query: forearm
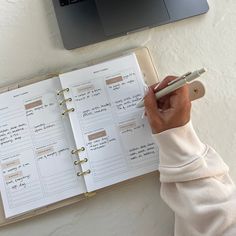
{"points": [[195, 183]]}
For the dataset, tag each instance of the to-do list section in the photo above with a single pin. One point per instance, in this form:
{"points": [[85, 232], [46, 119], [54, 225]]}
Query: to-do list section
{"points": [[35, 155], [118, 141]]}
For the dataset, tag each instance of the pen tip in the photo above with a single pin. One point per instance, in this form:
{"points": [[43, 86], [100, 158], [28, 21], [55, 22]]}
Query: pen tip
{"points": [[140, 103]]}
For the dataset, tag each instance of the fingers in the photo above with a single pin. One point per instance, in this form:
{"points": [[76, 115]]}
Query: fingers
{"points": [[180, 97], [165, 82], [158, 86], [172, 110], [152, 87], [151, 103], [151, 107]]}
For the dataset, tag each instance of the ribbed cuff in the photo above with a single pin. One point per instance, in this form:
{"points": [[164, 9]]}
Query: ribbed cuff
{"points": [[179, 146]]}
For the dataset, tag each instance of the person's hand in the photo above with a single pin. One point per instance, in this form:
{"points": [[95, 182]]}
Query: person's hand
{"points": [[169, 112]]}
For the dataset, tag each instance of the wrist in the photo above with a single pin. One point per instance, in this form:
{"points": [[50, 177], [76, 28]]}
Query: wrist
{"points": [[169, 126], [179, 146]]}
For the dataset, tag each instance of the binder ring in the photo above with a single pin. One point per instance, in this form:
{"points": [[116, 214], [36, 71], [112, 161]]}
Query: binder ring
{"points": [[62, 91], [65, 101], [84, 173], [76, 151], [68, 111], [80, 162]]}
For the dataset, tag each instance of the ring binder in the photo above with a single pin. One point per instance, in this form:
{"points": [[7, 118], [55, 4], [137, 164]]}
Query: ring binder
{"points": [[62, 91], [68, 111], [84, 173], [76, 151], [80, 162], [65, 101]]}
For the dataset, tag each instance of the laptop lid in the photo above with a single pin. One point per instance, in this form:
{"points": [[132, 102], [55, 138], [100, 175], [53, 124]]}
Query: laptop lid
{"points": [[84, 22], [121, 16]]}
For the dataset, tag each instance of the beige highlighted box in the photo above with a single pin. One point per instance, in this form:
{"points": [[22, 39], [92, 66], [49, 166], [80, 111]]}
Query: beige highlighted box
{"points": [[11, 164], [114, 80], [13, 176], [97, 135], [33, 104], [128, 125], [44, 151], [85, 87]]}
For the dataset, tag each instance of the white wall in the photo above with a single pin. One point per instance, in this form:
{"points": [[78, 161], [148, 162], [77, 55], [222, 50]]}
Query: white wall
{"points": [[30, 45]]}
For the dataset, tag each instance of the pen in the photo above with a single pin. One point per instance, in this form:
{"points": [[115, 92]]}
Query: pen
{"points": [[175, 84]]}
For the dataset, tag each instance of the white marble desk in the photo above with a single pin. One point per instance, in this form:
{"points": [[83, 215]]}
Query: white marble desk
{"points": [[30, 45]]}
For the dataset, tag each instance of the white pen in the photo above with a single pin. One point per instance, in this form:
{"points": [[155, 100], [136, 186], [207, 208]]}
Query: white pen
{"points": [[175, 84]]}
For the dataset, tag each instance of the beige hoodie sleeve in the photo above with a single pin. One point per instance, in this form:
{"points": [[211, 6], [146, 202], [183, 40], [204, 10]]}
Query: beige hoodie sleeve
{"points": [[196, 184]]}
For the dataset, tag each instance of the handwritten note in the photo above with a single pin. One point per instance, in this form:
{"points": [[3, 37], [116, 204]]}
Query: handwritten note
{"points": [[128, 102], [90, 101], [49, 153], [12, 134], [142, 152], [87, 91], [117, 82], [20, 174], [124, 91], [96, 110], [99, 140]]}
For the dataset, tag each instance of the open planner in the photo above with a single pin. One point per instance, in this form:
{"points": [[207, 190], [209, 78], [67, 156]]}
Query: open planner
{"points": [[65, 138], [72, 134]]}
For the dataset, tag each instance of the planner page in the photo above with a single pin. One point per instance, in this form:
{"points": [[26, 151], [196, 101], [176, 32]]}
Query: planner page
{"points": [[116, 141], [35, 149]]}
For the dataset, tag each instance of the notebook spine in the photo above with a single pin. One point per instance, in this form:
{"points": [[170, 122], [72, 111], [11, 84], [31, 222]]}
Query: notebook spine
{"points": [[82, 173], [79, 150], [63, 91], [80, 161], [65, 101], [68, 111]]}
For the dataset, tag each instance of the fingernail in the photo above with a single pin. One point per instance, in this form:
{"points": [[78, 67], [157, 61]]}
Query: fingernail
{"points": [[146, 91], [158, 85]]}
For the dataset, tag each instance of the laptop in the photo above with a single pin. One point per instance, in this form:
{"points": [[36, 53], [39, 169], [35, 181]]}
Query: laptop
{"points": [[85, 22]]}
